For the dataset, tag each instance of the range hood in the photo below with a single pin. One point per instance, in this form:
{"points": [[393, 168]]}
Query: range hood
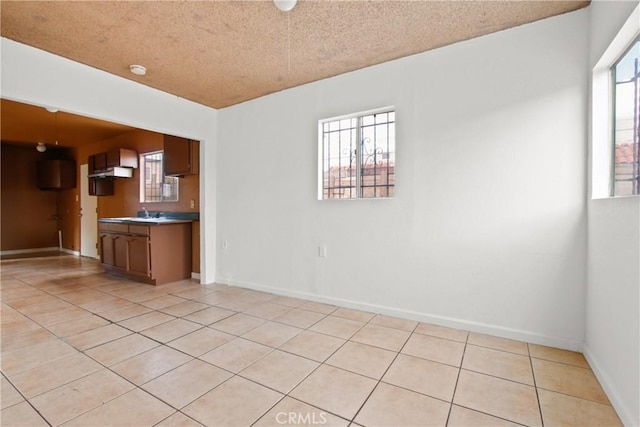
{"points": [[115, 172]]}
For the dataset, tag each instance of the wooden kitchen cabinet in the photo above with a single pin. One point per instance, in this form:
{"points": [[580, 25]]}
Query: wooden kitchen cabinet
{"points": [[154, 254], [97, 162], [56, 174], [122, 157], [181, 156], [101, 187]]}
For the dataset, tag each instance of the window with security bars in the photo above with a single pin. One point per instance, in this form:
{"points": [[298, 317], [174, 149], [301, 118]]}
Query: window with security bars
{"points": [[626, 123], [358, 156], [154, 186]]}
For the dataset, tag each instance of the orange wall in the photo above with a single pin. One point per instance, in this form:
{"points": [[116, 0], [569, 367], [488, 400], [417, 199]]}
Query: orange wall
{"points": [[28, 213]]}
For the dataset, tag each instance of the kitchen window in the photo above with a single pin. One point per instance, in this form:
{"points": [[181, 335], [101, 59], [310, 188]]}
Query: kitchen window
{"points": [[154, 185], [357, 156], [626, 122]]}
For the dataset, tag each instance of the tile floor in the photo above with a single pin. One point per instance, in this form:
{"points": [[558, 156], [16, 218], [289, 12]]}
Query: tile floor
{"points": [[80, 348]]}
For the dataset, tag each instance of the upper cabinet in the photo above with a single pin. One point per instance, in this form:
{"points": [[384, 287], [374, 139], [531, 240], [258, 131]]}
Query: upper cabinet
{"points": [[181, 156], [56, 174], [120, 157]]}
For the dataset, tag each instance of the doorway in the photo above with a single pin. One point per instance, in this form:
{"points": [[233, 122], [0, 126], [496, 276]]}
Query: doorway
{"points": [[88, 217]]}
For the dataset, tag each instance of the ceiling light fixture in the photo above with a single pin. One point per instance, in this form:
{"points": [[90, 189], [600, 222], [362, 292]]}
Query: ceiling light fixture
{"points": [[51, 109], [138, 70], [41, 147], [285, 5]]}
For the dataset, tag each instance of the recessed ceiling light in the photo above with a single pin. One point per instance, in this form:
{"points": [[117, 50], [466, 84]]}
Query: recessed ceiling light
{"points": [[138, 70], [51, 109], [285, 5]]}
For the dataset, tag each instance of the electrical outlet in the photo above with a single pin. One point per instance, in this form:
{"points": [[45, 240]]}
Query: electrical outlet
{"points": [[322, 251], [225, 245], [193, 204]]}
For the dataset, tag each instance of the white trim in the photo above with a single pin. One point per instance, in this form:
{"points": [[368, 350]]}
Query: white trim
{"points": [[195, 275], [28, 251], [483, 328], [625, 414], [76, 253]]}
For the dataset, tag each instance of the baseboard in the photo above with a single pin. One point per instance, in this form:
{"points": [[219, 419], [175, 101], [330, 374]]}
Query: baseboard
{"points": [[29, 251], [69, 251], [626, 415], [483, 328], [195, 275]]}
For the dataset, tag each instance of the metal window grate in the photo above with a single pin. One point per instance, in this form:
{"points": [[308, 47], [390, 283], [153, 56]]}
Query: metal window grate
{"points": [[157, 187], [626, 123], [359, 156]]}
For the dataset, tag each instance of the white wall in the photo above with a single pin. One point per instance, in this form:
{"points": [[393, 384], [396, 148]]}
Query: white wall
{"points": [[36, 77], [612, 343], [488, 229]]}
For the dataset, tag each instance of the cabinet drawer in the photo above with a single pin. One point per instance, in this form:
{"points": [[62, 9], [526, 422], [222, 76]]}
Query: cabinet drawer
{"points": [[139, 229], [117, 228]]}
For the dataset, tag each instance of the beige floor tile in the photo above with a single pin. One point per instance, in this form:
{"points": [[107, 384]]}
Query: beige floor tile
{"points": [[266, 310], [178, 420], [423, 376], [51, 318], [272, 334], [54, 374], [357, 315], [498, 343], [392, 406], [442, 332], [464, 417], [73, 327], [288, 301], [77, 397], [184, 308], [19, 326], [557, 355], [337, 327], [237, 324], [30, 357], [25, 339], [95, 337], [21, 414], [335, 390], [279, 370], [292, 412], [394, 322], [121, 349], [236, 355], [501, 398], [134, 408], [162, 302], [313, 345], [318, 307], [124, 313], [362, 359], [577, 382], [209, 315], [509, 366], [186, 383], [237, 402], [562, 410], [201, 341], [381, 336], [150, 364], [299, 318], [436, 349], [194, 293], [171, 330], [145, 321], [8, 394]]}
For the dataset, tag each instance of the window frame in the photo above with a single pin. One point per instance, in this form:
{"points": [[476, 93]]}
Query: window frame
{"points": [[613, 128], [358, 187], [143, 179]]}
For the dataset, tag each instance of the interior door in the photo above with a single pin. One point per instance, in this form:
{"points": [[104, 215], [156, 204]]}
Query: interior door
{"points": [[89, 217]]}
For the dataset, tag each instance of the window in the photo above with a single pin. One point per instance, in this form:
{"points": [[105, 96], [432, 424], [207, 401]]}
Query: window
{"points": [[358, 156], [154, 186], [626, 122]]}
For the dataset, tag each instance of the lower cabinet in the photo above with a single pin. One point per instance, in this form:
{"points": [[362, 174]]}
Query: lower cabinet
{"points": [[154, 254]]}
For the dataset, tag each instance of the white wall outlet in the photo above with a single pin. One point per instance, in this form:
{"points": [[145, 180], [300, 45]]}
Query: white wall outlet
{"points": [[322, 251], [193, 204], [225, 245]]}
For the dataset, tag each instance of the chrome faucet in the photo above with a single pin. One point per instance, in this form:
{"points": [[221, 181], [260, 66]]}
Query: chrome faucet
{"points": [[146, 212]]}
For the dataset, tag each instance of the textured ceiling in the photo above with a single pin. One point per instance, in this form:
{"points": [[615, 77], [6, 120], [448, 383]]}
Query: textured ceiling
{"points": [[219, 53]]}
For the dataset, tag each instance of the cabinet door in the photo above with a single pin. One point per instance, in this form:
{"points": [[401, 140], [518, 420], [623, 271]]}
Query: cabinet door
{"points": [[113, 158], [99, 161], [180, 156], [120, 250], [139, 256], [100, 187], [107, 255]]}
